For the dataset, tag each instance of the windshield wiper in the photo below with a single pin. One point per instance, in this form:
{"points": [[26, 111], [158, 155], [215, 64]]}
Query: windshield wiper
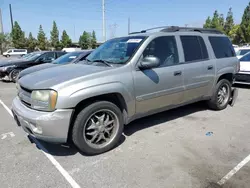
{"points": [[102, 61]]}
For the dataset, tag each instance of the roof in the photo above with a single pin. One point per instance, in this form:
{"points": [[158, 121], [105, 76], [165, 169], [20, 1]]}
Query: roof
{"points": [[176, 29]]}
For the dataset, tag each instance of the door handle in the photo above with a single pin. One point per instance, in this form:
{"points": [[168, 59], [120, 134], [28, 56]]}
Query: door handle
{"points": [[210, 67], [177, 73]]}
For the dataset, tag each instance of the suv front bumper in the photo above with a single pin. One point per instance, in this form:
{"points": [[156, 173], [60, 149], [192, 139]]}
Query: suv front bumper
{"points": [[46, 126]]}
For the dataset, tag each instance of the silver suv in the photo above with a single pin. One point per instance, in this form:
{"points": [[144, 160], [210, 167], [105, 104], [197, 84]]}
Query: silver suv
{"points": [[125, 79]]}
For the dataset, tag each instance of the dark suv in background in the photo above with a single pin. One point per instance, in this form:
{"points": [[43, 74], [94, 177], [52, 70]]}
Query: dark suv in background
{"points": [[10, 69], [71, 57]]}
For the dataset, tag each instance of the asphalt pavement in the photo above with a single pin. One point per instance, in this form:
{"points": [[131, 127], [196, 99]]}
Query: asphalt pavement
{"points": [[190, 147]]}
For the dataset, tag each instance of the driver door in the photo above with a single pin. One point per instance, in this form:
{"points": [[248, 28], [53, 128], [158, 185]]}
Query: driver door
{"points": [[162, 86]]}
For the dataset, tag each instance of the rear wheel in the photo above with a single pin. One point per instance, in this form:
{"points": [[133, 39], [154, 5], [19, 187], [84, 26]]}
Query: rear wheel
{"points": [[98, 128], [13, 75], [221, 96]]}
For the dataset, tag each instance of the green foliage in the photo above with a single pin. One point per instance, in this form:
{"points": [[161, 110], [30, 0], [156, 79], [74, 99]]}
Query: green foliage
{"points": [[54, 36], [41, 39], [65, 40], [18, 36], [31, 42], [208, 23], [85, 40], [244, 30], [5, 41], [93, 40], [229, 24]]}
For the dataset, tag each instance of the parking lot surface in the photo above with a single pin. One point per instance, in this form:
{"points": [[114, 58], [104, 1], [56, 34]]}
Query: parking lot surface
{"points": [[186, 147]]}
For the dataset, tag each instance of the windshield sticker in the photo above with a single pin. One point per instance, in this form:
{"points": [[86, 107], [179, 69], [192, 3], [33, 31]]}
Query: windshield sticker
{"points": [[134, 40], [72, 57]]}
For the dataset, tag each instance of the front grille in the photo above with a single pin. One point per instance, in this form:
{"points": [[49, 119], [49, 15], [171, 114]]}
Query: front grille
{"points": [[24, 95]]}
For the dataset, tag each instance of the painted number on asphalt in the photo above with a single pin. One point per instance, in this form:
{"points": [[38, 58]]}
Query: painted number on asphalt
{"points": [[5, 135]]}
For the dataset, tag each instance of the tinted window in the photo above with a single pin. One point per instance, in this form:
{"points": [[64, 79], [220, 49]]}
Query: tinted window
{"points": [[222, 47], [59, 54], [163, 48], [194, 48], [245, 58]]}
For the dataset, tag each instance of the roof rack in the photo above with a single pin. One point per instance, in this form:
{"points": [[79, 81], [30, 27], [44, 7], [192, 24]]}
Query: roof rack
{"points": [[190, 29], [183, 29]]}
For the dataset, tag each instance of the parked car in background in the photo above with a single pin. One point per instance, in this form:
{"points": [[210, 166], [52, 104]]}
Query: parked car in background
{"points": [[71, 57], [15, 52], [242, 51], [243, 76], [10, 69], [126, 78], [71, 49]]}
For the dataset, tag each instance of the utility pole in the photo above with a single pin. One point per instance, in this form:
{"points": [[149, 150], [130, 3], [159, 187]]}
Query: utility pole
{"points": [[112, 30], [11, 18], [103, 21], [1, 22], [128, 25]]}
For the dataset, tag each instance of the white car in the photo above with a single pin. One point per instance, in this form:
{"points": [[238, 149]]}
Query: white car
{"points": [[242, 51], [243, 77], [15, 52]]}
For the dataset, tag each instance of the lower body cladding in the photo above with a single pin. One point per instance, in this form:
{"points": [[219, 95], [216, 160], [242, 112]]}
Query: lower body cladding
{"points": [[46, 126], [242, 78]]}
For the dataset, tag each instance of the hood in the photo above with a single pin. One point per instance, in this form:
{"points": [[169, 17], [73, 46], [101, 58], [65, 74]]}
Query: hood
{"points": [[47, 78], [245, 66], [12, 62], [36, 68]]}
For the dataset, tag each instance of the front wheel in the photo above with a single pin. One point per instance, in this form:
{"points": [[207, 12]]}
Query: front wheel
{"points": [[221, 96], [98, 128], [14, 75]]}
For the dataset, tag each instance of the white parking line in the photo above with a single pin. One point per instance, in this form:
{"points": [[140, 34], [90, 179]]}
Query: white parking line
{"points": [[234, 170], [65, 174]]}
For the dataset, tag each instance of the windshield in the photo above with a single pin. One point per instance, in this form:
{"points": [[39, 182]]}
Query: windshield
{"points": [[32, 56], [117, 51], [67, 58], [243, 52]]}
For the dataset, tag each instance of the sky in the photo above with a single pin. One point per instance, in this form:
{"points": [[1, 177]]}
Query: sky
{"points": [[76, 16]]}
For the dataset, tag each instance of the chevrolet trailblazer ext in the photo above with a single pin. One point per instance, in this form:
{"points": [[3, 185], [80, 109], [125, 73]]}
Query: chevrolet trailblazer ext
{"points": [[124, 79]]}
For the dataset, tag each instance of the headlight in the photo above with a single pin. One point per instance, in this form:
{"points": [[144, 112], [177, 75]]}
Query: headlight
{"points": [[44, 100], [6, 67]]}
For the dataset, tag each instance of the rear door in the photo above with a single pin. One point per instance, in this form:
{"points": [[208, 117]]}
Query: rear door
{"points": [[195, 59]]}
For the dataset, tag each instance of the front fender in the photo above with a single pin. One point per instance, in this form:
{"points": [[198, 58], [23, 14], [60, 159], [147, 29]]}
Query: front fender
{"points": [[97, 90]]}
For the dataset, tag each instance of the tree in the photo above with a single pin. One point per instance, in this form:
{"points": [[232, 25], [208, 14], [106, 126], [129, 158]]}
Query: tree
{"points": [[215, 20], [229, 24], [41, 39], [54, 36], [244, 30], [5, 41], [234, 34], [221, 22], [65, 40], [31, 42], [207, 23], [93, 40], [18, 36], [85, 40]]}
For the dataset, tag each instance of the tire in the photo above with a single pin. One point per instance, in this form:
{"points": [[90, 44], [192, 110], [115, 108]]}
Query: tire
{"points": [[13, 75], [7, 55], [81, 131], [215, 103]]}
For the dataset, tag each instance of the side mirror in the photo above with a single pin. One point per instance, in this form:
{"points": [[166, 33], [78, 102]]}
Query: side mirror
{"points": [[149, 63]]}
